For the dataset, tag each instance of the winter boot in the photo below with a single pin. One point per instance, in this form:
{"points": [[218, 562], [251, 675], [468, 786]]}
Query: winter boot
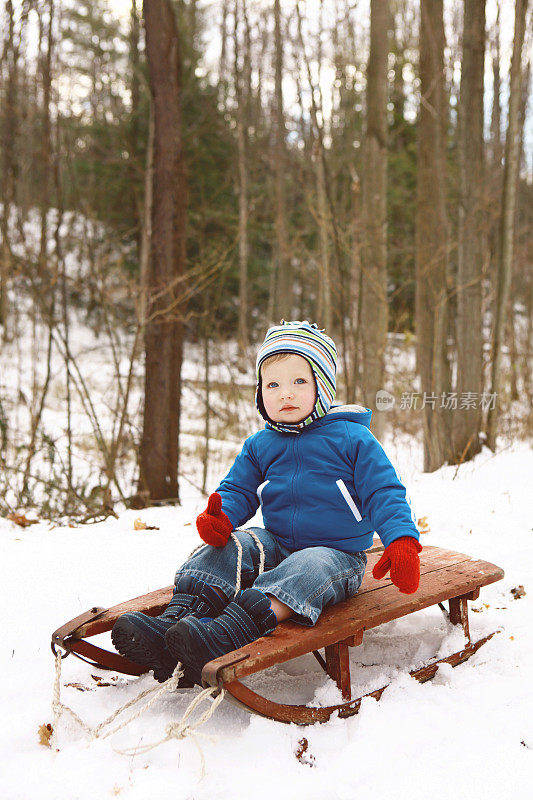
{"points": [[141, 638], [195, 641]]}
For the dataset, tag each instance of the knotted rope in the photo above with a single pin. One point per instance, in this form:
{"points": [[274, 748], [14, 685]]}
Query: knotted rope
{"points": [[238, 545], [182, 729], [174, 730], [261, 549], [99, 731]]}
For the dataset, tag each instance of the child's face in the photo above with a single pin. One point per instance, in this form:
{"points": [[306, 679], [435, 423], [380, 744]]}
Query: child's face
{"points": [[288, 388]]}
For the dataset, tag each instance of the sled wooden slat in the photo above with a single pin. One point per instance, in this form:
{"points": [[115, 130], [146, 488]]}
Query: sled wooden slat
{"points": [[72, 636], [153, 603], [445, 575]]}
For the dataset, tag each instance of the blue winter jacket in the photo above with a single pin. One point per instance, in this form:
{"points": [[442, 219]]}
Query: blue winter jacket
{"points": [[330, 485]]}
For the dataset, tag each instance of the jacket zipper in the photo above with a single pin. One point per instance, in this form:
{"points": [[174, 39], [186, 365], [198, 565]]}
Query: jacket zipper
{"points": [[296, 459]]}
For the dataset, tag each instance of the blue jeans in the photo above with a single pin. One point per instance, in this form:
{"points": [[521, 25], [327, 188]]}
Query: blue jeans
{"points": [[305, 580]]}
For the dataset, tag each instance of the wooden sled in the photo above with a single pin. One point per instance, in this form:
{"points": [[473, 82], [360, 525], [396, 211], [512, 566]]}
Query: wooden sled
{"points": [[444, 576]]}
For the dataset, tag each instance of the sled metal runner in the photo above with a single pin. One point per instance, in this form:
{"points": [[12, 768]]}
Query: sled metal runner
{"points": [[444, 576]]}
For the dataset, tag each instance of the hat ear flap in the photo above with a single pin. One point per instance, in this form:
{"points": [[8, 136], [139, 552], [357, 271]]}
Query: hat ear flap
{"points": [[259, 399]]}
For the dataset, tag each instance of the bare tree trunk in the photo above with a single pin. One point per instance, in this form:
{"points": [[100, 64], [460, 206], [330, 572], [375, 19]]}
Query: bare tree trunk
{"points": [[134, 57], [159, 451], [283, 266], [522, 365], [493, 177], [146, 237], [62, 273], [513, 350], [346, 196], [374, 250], [9, 160], [44, 297], [324, 296], [469, 324], [324, 310], [223, 62], [352, 359], [46, 60], [134, 154], [495, 119], [242, 98], [528, 349], [505, 253], [431, 235], [400, 14]]}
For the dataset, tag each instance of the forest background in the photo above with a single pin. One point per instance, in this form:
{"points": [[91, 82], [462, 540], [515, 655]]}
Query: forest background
{"points": [[177, 177]]}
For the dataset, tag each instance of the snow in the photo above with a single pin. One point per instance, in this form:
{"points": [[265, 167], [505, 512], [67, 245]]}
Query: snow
{"points": [[466, 733]]}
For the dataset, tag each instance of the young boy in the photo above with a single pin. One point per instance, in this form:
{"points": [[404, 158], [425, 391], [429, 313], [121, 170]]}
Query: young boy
{"points": [[324, 484]]}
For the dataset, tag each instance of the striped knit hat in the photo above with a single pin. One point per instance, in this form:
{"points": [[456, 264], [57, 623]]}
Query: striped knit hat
{"points": [[309, 341]]}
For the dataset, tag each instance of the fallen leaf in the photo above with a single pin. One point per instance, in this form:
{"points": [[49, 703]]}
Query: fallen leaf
{"points": [[79, 686], [139, 525], [423, 525], [302, 754], [101, 682], [23, 521], [45, 734]]}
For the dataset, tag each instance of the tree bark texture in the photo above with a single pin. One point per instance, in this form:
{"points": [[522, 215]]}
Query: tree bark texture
{"points": [[222, 64], [495, 117], [134, 132], [469, 327], [324, 294], [159, 449], [352, 361], [507, 222], [47, 276], [8, 174], [283, 265], [494, 168], [242, 97], [374, 251], [146, 238], [431, 233], [324, 310]]}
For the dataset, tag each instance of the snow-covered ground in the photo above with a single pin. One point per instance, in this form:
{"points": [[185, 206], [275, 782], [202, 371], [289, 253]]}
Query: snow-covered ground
{"points": [[467, 733]]}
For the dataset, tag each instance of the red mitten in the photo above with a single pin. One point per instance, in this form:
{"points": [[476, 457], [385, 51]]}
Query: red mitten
{"points": [[401, 557], [213, 525]]}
